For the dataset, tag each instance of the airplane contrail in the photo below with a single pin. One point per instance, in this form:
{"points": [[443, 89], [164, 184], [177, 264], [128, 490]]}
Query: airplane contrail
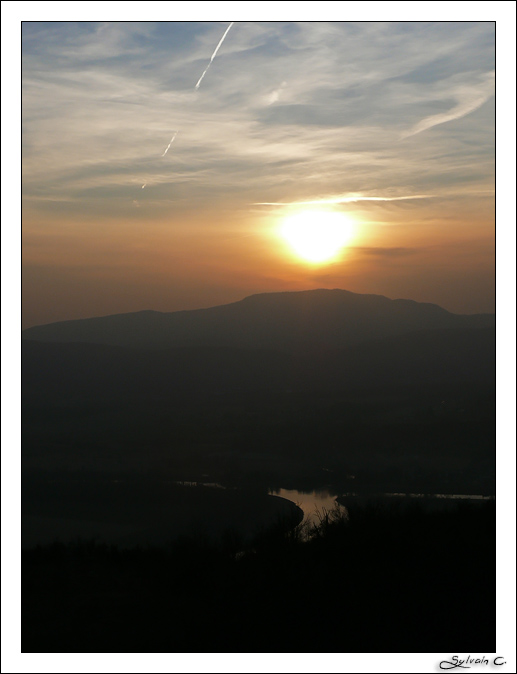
{"points": [[170, 143], [213, 55], [197, 85]]}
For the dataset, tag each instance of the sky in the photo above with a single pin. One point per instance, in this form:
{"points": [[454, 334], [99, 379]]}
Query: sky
{"points": [[390, 124]]}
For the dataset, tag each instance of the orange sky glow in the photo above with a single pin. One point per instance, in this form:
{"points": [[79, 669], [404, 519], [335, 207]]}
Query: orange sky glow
{"points": [[390, 125]]}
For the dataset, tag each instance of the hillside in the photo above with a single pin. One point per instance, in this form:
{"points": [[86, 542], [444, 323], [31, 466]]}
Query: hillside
{"points": [[311, 319], [96, 372], [301, 389]]}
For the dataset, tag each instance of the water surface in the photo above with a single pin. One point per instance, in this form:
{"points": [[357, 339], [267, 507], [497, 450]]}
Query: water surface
{"points": [[311, 502]]}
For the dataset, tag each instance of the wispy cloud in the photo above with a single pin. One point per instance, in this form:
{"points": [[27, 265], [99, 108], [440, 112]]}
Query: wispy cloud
{"points": [[341, 200], [469, 98], [253, 137], [385, 252], [302, 115]]}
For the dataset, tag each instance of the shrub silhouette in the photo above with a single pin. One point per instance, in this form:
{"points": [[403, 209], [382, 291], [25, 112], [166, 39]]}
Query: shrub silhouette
{"points": [[379, 579]]}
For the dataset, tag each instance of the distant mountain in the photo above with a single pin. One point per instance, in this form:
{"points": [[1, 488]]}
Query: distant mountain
{"points": [[286, 321], [397, 393]]}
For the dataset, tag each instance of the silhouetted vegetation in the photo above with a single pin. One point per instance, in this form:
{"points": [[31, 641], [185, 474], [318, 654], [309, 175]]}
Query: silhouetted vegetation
{"points": [[140, 510], [388, 579]]}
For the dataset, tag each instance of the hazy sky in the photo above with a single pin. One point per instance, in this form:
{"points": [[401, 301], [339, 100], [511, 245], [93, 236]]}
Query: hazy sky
{"points": [[391, 124]]}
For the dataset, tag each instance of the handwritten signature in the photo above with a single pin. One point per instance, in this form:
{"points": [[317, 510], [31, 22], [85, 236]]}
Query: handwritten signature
{"points": [[457, 662]]}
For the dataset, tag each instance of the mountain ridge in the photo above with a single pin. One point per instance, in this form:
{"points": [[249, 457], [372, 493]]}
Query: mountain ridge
{"points": [[286, 320]]}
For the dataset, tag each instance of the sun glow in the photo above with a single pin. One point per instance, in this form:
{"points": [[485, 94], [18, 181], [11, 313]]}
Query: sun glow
{"points": [[317, 236]]}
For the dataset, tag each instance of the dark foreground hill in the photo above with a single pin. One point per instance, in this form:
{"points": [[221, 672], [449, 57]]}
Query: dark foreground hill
{"points": [[408, 413], [64, 373], [383, 581], [320, 319]]}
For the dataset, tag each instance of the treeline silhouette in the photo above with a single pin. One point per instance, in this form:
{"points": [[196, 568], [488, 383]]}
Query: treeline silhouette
{"points": [[387, 578]]}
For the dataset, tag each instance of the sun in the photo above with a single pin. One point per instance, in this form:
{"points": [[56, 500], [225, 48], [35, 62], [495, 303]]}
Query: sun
{"points": [[317, 236]]}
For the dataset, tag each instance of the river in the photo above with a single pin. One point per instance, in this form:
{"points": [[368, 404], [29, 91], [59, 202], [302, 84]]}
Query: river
{"points": [[311, 502]]}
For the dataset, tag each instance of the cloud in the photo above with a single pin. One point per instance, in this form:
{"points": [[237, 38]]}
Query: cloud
{"points": [[384, 252], [469, 97], [274, 95], [341, 200], [100, 100]]}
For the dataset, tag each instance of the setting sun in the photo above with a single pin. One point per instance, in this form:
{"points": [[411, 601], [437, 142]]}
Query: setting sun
{"points": [[317, 236]]}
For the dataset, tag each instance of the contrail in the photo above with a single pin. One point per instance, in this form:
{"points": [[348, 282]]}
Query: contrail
{"points": [[171, 142], [213, 55], [197, 85]]}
